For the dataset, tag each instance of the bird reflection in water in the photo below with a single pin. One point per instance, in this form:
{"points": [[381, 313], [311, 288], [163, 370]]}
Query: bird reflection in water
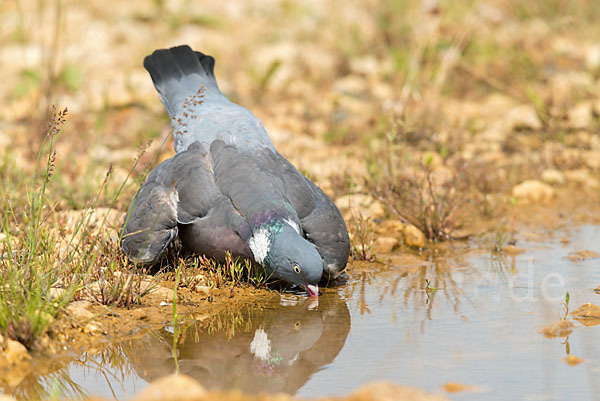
{"points": [[273, 347]]}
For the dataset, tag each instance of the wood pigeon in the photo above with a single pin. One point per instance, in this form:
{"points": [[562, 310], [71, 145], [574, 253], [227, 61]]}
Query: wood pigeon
{"points": [[227, 189]]}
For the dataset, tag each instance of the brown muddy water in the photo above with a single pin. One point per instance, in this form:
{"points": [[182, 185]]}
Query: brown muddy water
{"points": [[476, 329]]}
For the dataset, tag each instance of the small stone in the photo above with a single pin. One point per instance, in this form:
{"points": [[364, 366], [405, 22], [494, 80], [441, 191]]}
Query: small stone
{"points": [[79, 312], [583, 178], [92, 328], [573, 360], [592, 57], [387, 391], [581, 116], [391, 228], [139, 314], [561, 328], [384, 244], [350, 85], [524, 117], [85, 304], [375, 210], [366, 205], [513, 250], [453, 387], [57, 292], [15, 352], [582, 255], [414, 237], [172, 388], [553, 177], [165, 294], [204, 289], [592, 159], [533, 191], [587, 311]]}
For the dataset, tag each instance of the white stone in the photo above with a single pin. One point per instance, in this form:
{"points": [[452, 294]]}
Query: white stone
{"points": [[533, 191], [553, 177]]}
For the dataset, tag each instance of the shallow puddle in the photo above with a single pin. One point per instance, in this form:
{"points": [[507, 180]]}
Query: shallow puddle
{"points": [[468, 326]]}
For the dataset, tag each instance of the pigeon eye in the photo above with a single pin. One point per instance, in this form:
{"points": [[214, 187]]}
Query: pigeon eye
{"points": [[297, 269]]}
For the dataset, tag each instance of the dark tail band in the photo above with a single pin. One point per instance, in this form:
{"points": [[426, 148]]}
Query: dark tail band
{"points": [[177, 62]]}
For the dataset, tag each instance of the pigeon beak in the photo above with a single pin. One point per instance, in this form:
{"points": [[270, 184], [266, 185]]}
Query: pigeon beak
{"points": [[313, 290]]}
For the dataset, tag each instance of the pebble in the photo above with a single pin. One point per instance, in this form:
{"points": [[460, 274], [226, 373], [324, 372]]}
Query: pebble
{"points": [[92, 328], [79, 310], [384, 244], [365, 204], [172, 388], [592, 159], [387, 391], [561, 328], [414, 237], [524, 117], [573, 360], [587, 311], [553, 177], [139, 314], [533, 191], [581, 116], [513, 250], [582, 255], [15, 352], [19, 360], [203, 289], [391, 228], [592, 56], [583, 178], [454, 387], [165, 294]]}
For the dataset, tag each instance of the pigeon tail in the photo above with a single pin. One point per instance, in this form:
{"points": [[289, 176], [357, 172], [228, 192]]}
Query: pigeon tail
{"points": [[179, 74], [177, 62]]}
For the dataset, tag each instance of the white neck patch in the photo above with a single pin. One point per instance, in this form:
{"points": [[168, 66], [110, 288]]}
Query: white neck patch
{"points": [[261, 345], [259, 244]]}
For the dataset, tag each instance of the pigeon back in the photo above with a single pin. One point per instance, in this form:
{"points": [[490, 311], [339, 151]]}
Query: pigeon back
{"points": [[198, 110]]}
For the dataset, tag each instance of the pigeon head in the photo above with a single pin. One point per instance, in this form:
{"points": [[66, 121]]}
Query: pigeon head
{"points": [[287, 256]]}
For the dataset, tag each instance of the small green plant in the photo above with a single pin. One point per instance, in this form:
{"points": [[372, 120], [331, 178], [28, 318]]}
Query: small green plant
{"points": [[47, 258], [29, 272], [429, 291], [428, 288], [500, 239], [232, 272]]}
